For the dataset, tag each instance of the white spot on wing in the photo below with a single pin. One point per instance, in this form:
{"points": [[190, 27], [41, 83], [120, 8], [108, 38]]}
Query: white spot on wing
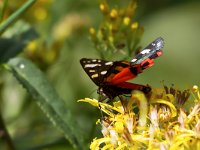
{"points": [[133, 60], [145, 51], [94, 60], [91, 70], [109, 63], [94, 75], [103, 72], [91, 65], [160, 44]]}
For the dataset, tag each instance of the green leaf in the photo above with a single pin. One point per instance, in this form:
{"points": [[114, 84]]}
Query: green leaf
{"points": [[48, 100], [10, 47]]}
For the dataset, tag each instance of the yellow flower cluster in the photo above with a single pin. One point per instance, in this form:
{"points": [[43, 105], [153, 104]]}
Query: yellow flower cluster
{"points": [[118, 32], [161, 120]]}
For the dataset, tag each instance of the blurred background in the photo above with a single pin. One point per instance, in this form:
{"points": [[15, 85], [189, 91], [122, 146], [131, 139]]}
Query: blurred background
{"points": [[63, 39]]}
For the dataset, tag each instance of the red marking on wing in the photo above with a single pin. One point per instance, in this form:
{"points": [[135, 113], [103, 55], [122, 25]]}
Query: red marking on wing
{"points": [[150, 61], [147, 63], [159, 53], [124, 75], [131, 86]]}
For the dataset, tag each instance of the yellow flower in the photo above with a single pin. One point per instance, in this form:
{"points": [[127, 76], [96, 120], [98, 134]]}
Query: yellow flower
{"points": [[113, 13], [149, 122], [92, 31], [104, 7], [134, 26], [127, 20], [195, 88], [40, 13]]}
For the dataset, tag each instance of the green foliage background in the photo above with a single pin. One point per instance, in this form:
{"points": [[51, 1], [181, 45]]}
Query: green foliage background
{"points": [[178, 22]]}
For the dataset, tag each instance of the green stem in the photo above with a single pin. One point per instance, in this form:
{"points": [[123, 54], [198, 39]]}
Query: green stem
{"points": [[5, 3], [5, 136], [16, 15]]}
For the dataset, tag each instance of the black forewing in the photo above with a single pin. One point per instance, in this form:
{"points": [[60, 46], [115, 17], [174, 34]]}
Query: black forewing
{"points": [[99, 70], [96, 69]]}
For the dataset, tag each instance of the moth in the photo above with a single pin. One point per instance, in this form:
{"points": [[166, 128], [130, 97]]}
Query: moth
{"points": [[111, 76]]}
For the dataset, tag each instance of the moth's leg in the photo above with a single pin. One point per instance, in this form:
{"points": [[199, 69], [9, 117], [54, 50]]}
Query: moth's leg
{"points": [[124, 102]]}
